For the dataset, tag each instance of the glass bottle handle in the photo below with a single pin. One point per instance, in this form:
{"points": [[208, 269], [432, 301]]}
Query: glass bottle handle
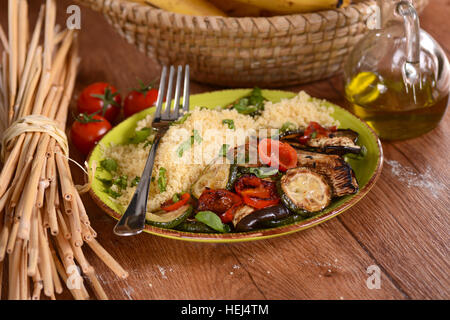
{"points": [[411, 72], [412, 29]]}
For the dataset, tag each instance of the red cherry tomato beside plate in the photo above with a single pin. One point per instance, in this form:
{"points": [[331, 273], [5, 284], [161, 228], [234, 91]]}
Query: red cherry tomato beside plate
{"points": [[100, 98], [87, 130], [139, 99]]}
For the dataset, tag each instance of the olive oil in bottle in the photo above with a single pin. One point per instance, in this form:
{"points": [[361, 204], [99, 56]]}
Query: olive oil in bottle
{"points": [[393, 110], [397, 77]]}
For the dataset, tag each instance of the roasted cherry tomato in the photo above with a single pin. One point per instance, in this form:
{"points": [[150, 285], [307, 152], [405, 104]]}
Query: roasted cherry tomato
{"points": [[139, 99], [87, 130], [170, 205], [277, 154], [315, 130], [219, 201], [100, 98], [256, 192]]}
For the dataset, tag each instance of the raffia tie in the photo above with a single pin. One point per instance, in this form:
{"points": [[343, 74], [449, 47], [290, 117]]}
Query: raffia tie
{"points": [[39, 123]]}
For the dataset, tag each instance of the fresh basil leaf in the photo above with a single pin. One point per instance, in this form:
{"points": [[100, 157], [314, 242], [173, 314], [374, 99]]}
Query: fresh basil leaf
{"points": [[256, 99], [162, 183], [109, 164], [244, 107], [314, 135], [212, 220], [251, 105]]}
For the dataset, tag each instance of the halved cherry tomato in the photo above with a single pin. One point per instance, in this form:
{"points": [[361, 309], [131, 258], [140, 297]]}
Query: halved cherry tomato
{"points": [[256, 192], [139, 99], [219, 201], [170, 205], [315, 130], [101, 98], [284, 159], [87, 130]]}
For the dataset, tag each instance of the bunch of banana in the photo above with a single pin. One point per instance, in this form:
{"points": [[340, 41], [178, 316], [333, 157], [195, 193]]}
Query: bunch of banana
{"points": [[244, 8], [190, 7], [234, 8], [295, 6]]}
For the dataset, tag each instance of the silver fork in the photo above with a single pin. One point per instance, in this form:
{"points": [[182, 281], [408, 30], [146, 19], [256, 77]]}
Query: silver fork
{"points": [[133, 220]]}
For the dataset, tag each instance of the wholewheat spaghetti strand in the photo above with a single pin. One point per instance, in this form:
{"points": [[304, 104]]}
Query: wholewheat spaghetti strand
{"points": [[43, 222]]}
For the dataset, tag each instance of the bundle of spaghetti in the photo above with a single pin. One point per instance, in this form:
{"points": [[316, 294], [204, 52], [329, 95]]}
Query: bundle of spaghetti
{"points": [[43, 222]]}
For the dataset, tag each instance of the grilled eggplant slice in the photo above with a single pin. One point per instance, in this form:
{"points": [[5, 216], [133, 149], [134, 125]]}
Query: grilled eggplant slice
{"points": [[338, 173], [249, 219], [340, 142], [302, 189]]}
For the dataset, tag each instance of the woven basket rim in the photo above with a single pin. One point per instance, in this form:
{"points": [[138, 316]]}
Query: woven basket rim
{"points": [[127, 6]]}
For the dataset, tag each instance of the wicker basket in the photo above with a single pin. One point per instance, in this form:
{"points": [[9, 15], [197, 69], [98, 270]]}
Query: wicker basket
{"points": [[242, 52]]}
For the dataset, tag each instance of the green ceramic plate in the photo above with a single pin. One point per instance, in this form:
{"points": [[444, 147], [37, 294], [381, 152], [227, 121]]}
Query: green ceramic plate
{"points": [[367, 170]]}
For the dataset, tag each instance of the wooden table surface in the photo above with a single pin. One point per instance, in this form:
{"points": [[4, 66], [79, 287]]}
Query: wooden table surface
{"points": [[401, 226]]}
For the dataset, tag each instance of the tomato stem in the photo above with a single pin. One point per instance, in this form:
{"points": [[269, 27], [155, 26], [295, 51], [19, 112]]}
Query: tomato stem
{"points": [[107, 98]]}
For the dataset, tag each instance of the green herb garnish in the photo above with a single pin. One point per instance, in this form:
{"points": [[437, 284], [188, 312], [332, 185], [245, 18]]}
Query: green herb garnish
{"points": [[243, 106], [107, 183], [182, 119], [212, 220], [112, 193], [223, 151], [188, 143], [140, 135], [162, 183], [197, 137], [287, 126], [121, 182], [230, 123], [135, 181], [176, 198], [314, 135], [109, 164], [251, 105]]}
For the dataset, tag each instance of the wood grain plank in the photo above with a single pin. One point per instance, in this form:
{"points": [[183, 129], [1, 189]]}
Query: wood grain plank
{"points": [[398, 227], [320, 263]]}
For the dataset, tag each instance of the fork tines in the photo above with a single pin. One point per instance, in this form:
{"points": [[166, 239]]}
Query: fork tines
{"points": [[167, 114]]}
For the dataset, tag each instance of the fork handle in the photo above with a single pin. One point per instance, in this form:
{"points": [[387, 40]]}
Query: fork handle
{"points": [[133, 220]]}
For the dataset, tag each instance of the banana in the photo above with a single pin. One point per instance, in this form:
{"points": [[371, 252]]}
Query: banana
{"points": [[236, 9], [295, 6], [189, 7]]}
